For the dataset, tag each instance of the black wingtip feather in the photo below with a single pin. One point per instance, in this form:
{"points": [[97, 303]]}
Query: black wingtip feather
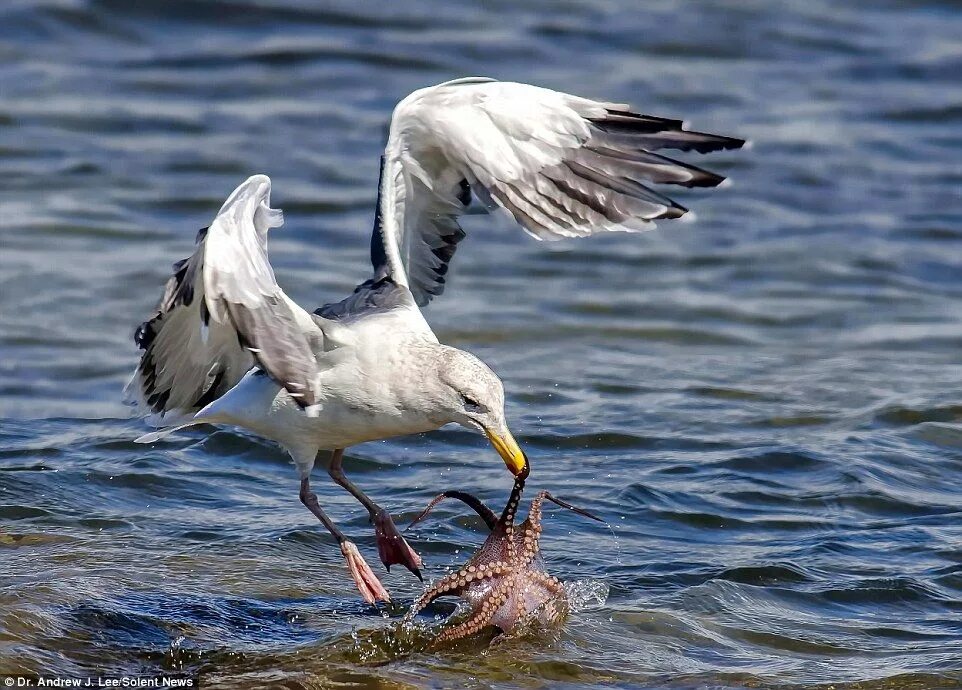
{"points": [[212, 393], [707, 143], [637, 121], [650, 132], [378, 253]]}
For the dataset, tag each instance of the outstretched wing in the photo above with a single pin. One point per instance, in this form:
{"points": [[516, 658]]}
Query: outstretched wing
{"points": [[221, 312], [563, 166]]}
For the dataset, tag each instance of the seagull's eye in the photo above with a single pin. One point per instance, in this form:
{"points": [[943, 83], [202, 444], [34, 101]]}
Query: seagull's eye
{"points": [[470, 404]]}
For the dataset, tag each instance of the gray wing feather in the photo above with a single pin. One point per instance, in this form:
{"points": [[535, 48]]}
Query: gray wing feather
{"points": [[563, 166], [280, 346], [221, 313], [181, 371], [370, 297], [427, 252]]}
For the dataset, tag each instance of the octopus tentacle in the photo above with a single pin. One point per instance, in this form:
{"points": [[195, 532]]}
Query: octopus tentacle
{"points": [[565, 504], [481, 617], [534, 512], [511, 509], [455, 583], [450, 584], [490, 519], [553, 610], [531, 527], [549, 582], [529, 546], [505, 524]]}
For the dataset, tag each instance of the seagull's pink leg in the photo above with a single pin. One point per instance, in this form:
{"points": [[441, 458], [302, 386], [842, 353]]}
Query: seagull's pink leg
{"points": [[391, 546], [370, 587]]}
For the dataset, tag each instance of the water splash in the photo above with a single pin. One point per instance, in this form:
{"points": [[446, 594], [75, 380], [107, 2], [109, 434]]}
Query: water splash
{"points": [[586, 595]]}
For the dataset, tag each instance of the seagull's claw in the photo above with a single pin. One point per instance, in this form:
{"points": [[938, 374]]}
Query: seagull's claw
{"points": [[392, 547], [367, 583]]}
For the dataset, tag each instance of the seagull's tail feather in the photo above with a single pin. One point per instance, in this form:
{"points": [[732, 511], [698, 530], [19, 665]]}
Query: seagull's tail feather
{"points": [[154, 436], [205, 416]]}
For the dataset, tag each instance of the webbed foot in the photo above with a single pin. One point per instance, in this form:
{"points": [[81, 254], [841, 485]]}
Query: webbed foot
{"points": [[392, 547], [367, 583]]}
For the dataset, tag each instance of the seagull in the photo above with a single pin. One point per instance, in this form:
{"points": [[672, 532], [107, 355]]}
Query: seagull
{"points": [[226, 346]]}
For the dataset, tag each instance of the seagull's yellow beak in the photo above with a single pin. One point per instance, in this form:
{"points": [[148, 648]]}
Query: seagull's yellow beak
{"points": [[508, 449]]}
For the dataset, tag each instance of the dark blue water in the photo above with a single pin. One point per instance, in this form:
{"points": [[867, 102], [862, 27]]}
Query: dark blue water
{"points": [[764, 404]]}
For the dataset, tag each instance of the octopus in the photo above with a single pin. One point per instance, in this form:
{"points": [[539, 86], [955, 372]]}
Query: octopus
{"points": [[505, 583]]}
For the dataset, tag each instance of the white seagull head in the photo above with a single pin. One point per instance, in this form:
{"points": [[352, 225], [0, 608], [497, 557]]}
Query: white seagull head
{"points": [[473, 396]]}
